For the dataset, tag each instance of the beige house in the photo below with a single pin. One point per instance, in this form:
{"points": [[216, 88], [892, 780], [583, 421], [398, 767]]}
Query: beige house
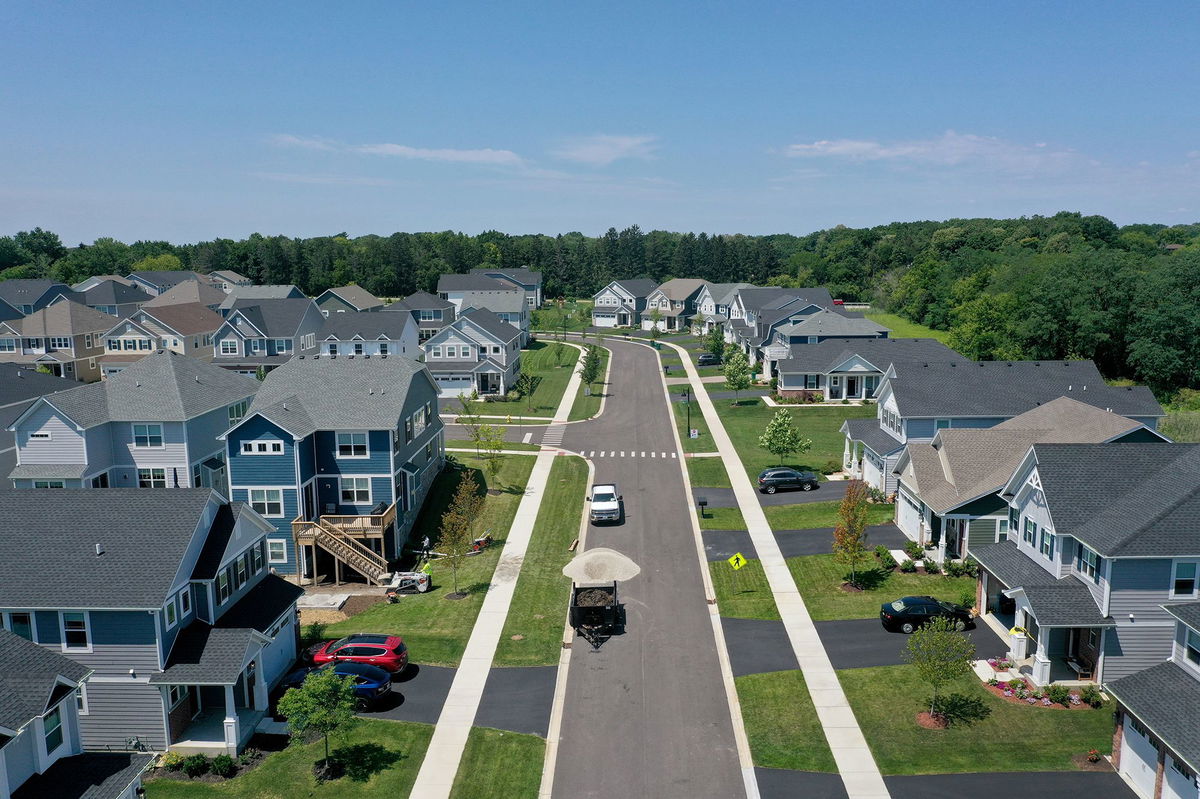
{"points": [[185, 329], [65, 338]]}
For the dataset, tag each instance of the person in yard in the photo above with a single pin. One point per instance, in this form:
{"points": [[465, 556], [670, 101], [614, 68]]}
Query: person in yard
{"points": [[425, 547]]}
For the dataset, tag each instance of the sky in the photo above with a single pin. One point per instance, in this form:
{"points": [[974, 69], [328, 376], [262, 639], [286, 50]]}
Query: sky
{"points": [[189, 121]]}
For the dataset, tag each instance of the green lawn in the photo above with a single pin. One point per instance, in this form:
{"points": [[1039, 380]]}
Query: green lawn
{"points": [[578, 313], [553, 363], [710, 371], [704, 442], [722, 519], [499, 763], [746, 422], [781, 722], [903, 328], [586, 407], [539, 606], [708, 473], [514, 445], [819, 579], [743, 594], [435, 628], [820, 514], [1009, 737], [384, 758]]}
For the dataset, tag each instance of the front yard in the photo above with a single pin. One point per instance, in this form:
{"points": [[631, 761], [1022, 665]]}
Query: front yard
{"points": [[499, 763], [781, 722], [744, 594], [820, 514], [820, 579], [553, 363]]}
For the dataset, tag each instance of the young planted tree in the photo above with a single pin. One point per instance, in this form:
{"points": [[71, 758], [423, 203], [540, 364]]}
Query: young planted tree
{"points": [[526, 384], [454, 535], [850, 534], [655, 318], [940, 655], [782, 438], [325, 702], [469, 419], [737, 371], [715, 342], [589, 367], [491, 440]]}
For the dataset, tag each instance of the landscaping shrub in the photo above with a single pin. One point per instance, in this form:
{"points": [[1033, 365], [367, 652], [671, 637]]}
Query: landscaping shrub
{"points": [[886, 561], [913, 550], [223, 766], [967, 598], [195, 765], [877, 496], [1059, 695], [249, 755], [953, 568], [880, 550], [171, 761], [831, 467], [908, 566], [932, 567], [1090, 695]]}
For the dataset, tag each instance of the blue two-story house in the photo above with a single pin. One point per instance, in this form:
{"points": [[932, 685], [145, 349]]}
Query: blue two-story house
{"points": [[338, 453], [259, 335]]}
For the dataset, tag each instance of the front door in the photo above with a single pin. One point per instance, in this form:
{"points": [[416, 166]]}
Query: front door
{"points": [[310, 501], [852, 387]]}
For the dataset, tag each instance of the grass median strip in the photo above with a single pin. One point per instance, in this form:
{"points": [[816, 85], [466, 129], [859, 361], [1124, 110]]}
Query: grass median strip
{"points": [[539, 606], [703, 441], [499, 763], [722, 519], [820, 577], [745, 593], [513, 445], [707, 473], [987, 733], [781, 722], [820, 514], [586, 406]]}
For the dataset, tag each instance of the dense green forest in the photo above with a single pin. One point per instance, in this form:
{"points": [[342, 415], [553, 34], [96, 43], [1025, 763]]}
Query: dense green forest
{"points": [[1064, 286]]}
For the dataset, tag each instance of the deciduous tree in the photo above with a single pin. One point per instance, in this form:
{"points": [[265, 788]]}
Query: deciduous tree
{"points": [[736, 370], [782, 438], [325, 703], [454, 535], [850, 534], [940, 655]]}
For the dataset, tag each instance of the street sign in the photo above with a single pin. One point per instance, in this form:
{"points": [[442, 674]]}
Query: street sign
{"points": [[694, 433], [737, 561]]}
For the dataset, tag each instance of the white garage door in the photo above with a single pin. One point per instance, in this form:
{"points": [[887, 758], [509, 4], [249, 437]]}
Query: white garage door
{"points": [[1180, 782], [453, 385], [1139, 758], [280, 654], [908, 516], [604, 319]]}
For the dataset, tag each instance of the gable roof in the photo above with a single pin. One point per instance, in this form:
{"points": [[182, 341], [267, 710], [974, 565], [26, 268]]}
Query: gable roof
{"points": [[724, 293], [757, 298], [19, 382], [96, 279], [471, 282], [356, 296], [186, 318], [29, 675], [63, 319], [681, 288], [370, 326], [27, 291], [512, 301], [277, 291], [111, 292], [189, 291], [825, 356], [1164, 698], [1186, 612], [277, 318], [491, 324], [164, 279], [829, 323], [144, 535], [1008, 388], [418, 300], [522, 274], [228, 275], [161, 387], [637, 287], [90, 775]]}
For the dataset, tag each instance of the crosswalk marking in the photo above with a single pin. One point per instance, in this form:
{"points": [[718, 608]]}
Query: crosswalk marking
{"points": [[528, 437], [672, 454], [622, 453]]}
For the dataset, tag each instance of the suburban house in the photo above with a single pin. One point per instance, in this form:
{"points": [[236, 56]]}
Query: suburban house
{"points": [[757, 312], [430, 312], [108, 296], [918, 400], [186, 329], [1079, 581], [155, 282], [835, 369], [809, 329], [190, 292], [1156, 746], [338, 455], [153, 425], [26, 296], [477, 352], [262, 334], [527, 280], [621, 303], [65, 338], [673, 304], [239, 295], [41, 752], [347, 299], [359, 334], [167, 597], [96, 280], [227, 279], [713, 302], [948, 489], [479, 291]]}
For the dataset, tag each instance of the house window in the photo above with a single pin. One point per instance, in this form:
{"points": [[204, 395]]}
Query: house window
{"points": [[114, 343], [267, 501], [171, 613], [466, 353], [358, 348], [223, 590], [147, 436], [129, 344], [52, 723], [256, 559], [243, 569], [356, 490], [81, 701], [185, 602], [144, 344], [942, 424], [812, 381], [8, 345], [429, 452], [430, 315], [60, 343], [264, 447], [19, 624], [152, 478], [383, 348], [40, 436], [352, 445], [276, 550], [49, 484], [436, 352], [1030, 534], [237, 412], [332, 349], [1048, 542], [1087, 562], [495, 349], [451, 350], [283, 345], [256, 344], [1184, 585], [75, 632], [1191, 646], [229, 346], [408, 430], [1014, 519]]}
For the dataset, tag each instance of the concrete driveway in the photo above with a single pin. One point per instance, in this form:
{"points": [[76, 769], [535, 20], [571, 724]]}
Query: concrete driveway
{"points": [[862, 643]]}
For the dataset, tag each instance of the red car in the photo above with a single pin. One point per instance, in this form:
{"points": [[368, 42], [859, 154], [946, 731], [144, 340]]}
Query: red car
{"points": [[383, 651]]}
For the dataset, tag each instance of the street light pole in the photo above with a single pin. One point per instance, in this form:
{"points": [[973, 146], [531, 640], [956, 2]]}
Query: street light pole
{"points": [[687, 400]]}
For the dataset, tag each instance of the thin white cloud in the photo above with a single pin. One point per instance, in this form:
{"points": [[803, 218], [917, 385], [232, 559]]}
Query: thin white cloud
{"points": [[482, 156], [603, 148], [951, 149], [322, 180], [302, 142]]}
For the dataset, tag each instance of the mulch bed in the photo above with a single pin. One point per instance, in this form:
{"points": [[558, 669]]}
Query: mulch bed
{"points": [[998, 690], [931, 722], [357, 603], [1083, 764]]}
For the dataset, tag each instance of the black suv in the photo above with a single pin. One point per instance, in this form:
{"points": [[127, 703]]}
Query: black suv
{"points": [[707, 359], [771, 480], [908, 613]]}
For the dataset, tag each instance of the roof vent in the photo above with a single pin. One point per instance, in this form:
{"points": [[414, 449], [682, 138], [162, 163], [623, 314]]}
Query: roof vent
{"points": [[197, 378], [137, 383], [99, 550], [366, 357], [370, 391], [383, 357], [285, 406]]}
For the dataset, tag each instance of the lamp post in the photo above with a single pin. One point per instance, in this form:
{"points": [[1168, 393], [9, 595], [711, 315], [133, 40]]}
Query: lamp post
{"points": [[687, 401]]}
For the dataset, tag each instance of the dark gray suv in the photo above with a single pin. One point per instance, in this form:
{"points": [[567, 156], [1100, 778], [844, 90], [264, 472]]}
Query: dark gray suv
{"points": [[771, 480]]}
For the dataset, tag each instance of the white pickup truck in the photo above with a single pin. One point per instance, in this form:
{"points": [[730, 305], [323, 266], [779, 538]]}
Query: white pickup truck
{"points": [[606, 503]]}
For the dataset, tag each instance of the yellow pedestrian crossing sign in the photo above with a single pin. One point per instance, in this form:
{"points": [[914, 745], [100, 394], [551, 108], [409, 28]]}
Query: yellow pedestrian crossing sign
{"points": [[737, 561]]}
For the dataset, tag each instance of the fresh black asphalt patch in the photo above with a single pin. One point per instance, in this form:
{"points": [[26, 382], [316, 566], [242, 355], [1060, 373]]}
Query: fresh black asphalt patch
{"points": [[819, 540], [518, 699], [1027, 785], [863, 643], [778, 783], [757, 646], [417, 695], [724, 544]]}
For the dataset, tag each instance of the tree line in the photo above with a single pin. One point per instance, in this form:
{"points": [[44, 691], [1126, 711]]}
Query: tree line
{"points": [[1062, 286]]}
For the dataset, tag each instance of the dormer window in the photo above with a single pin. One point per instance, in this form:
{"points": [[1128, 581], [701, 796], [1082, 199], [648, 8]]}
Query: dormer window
{"points": [[1184, 584]]}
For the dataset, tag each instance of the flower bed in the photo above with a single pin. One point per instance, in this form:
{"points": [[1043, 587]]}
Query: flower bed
{"points": [[1020, 691]]}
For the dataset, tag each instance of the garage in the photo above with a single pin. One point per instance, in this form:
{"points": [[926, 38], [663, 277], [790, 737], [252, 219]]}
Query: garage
{"points": [[604, 319], [1139, 757], [1179, 781], [452, 385], [908, 515]]}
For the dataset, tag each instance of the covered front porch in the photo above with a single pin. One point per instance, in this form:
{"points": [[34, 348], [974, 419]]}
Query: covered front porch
{"points": [[850, 386]]}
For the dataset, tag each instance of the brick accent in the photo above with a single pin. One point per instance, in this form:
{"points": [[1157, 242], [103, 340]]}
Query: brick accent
{"points": [[1118, 733], [1159, 772], [180, 717]]}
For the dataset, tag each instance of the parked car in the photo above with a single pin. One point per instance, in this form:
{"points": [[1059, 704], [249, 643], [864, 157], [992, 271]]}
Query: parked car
{"points": [[708, 359], [370, 682], [908, 613], [388, 652], [771, 480], [606, 503]]}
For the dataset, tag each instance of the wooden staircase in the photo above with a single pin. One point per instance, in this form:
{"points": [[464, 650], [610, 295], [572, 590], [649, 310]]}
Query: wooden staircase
{"points": [[344, 548]]}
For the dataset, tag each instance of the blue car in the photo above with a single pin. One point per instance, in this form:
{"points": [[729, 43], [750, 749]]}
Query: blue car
{"points": [[371, 683]]}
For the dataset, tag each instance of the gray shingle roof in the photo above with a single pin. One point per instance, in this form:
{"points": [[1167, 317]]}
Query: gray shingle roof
{"points": [[723, 293], [470, 282], [165, 278], [228, 275], [28, 678], [1056, 602], [63, 319], [188, 292], [492, 324], [162, 387], [1148, 505], [24, 291], [680, 288], [279, 291], [869, 433], [1010, 565], [20, 383], [770, 298], [186, 318], [368, 325], [1007, 388], [829, 323], [499, 302], [1186, 612], [207, 655], [824, 356], [262, 604], [110, 292], [48, 471], [307, 394], [49, 543], [520, 274], [276, 318], [91, 775], [357, 296], [638, 287], [1165, 698], [419, 300]]}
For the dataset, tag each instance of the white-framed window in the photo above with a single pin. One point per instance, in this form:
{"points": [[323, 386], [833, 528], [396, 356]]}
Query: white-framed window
{"points": [[1030, 533], [276, 550], [145, 344], [267, 501], [283, 345], [223, 589], [8, 345], [242, 569], [451, 350], [430, 315], [256, 345], [19, 623], [332, 348], [1087, 562], [147, 436], [308, 341], [185, 602], [1184, 579], [1048, 542], [1191, 646], [812, 381], [229, 346], [129, 344], [113, 344], [237, 411], [60, 343], [152, 478], [49, 484], [76, 631], [495, 349], [175, 695], [266, 446], [256, 559], [52, 729], [352, 445], [942, 424], [170, 613], [356, 490], [87, 337], [81, 699], [436, 352], [41, 435]]}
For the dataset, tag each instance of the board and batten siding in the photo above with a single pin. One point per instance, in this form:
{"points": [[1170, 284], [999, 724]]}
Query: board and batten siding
{"points": [[66, 444], [20, 757], [120, 710]]}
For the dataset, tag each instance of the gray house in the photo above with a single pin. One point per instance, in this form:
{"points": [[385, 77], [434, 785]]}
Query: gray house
{"points": [[522, 278], [347, 299], [109, 296], [852, 368], [791, 337], [621, 303], [190, 292], [430, 312], [152, 425], [713, 302], [477, 352], [266, 333], [673, 304], [479, 291], [1100, 537], [757, 312], [359, 334], [241, 294], [166, 597], [32, 294], [155, 282], [227, 279]]}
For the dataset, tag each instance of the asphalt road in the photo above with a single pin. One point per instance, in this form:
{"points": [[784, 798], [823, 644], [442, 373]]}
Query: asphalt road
{"points": [[646, 715]]}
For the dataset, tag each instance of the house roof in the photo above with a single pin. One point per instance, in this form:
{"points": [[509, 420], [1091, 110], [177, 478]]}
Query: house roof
{"points": [[112, 292], [276, 318], [357, 296], [307, 394], [680, 288], [825, 356], [419, 300], [186, 318], [370, 326], [470, 282], [724, 293], [217, 541], [94, 279], [262, 605], [638, 287], [1148, 505], [1165, 698], [91, 775], [758, 298], [165, 278], [188, 292], [206, 655], [162, 387], [50, 536], [511, 301], [48, 471], [238, 294], [1008, 564], [18, 383], [28, 678], [871, 435], [63, 319], [522, 274], [1008, 388], [1186, 612], [1056, 602], [491, 324], [228, 275], [828, 323], [27, 291]]}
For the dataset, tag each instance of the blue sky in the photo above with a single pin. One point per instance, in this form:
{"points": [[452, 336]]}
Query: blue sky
{"points": [[163, 121]]}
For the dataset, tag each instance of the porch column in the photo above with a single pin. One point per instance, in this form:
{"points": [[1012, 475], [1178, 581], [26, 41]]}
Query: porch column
{"points": [[846, 460], [1041, 663], [260, 683], [232, 731]]}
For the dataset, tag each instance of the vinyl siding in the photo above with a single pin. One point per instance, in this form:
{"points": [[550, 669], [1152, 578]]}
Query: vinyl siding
{"points": [[282, 525], [202, 433], [99, 448], [241, 591], [333, 304], [121, 710], [1139, 587], [66, 445], [261, 470], [981, 531], [1129, 648], [378, 460], [121, 640], [171, 455], [20, 758]]}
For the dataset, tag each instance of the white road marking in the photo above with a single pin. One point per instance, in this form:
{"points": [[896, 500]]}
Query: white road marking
{"points": [[672, 454], [653, 454], [527, 437]]}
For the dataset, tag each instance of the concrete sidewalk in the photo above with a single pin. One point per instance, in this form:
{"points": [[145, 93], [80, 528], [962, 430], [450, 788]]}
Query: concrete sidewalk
{"points": [[856, 765]]}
